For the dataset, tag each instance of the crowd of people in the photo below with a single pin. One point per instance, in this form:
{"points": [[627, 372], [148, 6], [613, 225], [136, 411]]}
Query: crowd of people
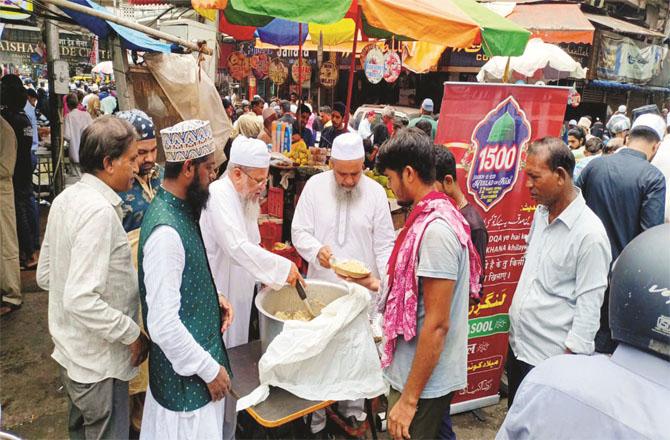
{"points": [[153, 261]]}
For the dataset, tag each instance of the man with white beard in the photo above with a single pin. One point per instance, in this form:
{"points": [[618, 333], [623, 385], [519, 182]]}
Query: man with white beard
{"points": [[229, 225], [343, 214]]}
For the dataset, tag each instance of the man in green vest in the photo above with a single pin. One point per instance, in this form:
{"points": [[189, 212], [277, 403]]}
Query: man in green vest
{"points": [[189, 372]]}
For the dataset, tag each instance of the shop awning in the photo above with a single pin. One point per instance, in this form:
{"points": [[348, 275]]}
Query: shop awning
{"points": [[131, 39], [554, 23], [622, 26]]}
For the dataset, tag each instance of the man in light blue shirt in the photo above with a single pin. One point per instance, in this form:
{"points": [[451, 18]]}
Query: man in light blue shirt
{"points": [[626, 396], [29, 109], [556, 305]]}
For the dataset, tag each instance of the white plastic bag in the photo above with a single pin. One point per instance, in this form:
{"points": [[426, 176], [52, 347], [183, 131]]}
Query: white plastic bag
{"points": [[332, 357]]}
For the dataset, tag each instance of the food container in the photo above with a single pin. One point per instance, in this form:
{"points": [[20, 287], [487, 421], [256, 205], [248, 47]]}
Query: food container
{"points": [[269, 302]]}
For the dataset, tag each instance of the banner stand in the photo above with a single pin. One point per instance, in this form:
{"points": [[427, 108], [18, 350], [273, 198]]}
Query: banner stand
{"points": [[489, 138]]}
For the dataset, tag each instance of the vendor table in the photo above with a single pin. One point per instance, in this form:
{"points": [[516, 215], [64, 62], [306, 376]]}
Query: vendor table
{"points": [[281, 406]]}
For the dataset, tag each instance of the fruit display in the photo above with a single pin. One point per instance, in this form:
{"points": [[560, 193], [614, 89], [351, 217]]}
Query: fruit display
{"points": [[299, 153], [319, 155], [382, 180]]}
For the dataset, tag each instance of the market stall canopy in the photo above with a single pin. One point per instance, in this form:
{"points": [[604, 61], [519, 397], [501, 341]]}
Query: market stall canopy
{"points": [[540, 61], [554, 23], [130, 38], [316, 11], [623, 26], [242, 25], [450, 23]]}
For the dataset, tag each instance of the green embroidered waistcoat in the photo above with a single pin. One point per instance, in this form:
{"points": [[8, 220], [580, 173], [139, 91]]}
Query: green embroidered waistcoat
{"points": [[199, 310]]}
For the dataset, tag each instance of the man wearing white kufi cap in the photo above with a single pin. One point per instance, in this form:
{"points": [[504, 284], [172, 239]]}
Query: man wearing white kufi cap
{"points": [[230, 231], [343, 214], [189, 371]]}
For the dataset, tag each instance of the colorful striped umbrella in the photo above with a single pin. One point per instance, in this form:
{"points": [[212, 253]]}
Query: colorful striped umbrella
{"points": [[451, 23]]}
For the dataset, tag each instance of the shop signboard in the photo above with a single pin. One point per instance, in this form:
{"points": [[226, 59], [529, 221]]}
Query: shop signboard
{"points": [[22, 46], [392, 66], [626, 60], [260, 65], [374, 66], [328, 75], [472, 56], [278, 72], [306, 74], [239, 66], [489, 142]]}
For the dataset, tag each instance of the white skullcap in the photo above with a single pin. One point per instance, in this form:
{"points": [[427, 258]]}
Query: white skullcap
{"points": [[249, 152], [651, 121], [348, 146], [622, 109]]}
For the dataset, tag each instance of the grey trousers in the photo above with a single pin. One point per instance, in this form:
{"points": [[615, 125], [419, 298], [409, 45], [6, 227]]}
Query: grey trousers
{"points": [[97, 410]]}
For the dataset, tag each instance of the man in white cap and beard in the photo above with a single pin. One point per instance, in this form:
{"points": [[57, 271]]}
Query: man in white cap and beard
{"points": [[229, 226], [343, 214]]}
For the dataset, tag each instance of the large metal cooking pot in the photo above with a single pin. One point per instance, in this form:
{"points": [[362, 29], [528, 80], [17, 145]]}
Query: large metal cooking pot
{"points": [[269, 302]]}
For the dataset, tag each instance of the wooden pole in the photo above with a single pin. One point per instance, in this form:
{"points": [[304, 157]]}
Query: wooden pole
{"points": [[129, 24], [352, 65], [124, 92], [299, 75], [53, 54]]}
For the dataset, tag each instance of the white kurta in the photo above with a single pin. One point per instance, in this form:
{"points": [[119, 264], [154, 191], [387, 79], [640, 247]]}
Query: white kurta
{"points": [[235, 256], [362, 231], [163, 263]]}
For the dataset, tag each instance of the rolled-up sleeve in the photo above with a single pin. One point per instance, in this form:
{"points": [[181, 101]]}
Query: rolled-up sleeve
{"points": [[592, 265], [87, 279]]}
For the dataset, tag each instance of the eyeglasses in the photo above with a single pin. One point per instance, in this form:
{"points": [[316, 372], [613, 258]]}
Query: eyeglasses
{"points": [[259, 182]]}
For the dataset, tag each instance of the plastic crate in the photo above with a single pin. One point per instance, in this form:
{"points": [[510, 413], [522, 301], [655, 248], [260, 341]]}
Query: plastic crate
{"points": [[276, 202], [271, 232]]}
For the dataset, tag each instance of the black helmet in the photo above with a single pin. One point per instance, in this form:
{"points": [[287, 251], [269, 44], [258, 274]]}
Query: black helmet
{"points": [[640, 293]]}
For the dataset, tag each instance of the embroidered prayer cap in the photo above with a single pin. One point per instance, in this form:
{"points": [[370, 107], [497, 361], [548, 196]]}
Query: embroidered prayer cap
{"points": [[348, 146], [249, 152], [584, 122], [186, 140], [141, 121]]}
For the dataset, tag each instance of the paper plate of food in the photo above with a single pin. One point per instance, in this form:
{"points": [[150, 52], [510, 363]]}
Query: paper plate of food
{"points": [[350, 268]]}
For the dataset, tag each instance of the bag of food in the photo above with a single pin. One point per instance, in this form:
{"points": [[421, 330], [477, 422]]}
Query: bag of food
{"points": [[331, 357]]}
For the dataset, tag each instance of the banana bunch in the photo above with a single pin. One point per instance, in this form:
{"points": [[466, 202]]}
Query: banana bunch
{"points": [[299, 153], [382, 180]]}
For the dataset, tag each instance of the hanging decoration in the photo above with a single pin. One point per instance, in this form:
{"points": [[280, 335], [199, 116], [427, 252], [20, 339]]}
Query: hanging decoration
{"points": [[392, 66], [277, 71], [306, 73], [574, 98], [239, 66], [364, 53], [328, 75], [374, 66], [260, 65]]}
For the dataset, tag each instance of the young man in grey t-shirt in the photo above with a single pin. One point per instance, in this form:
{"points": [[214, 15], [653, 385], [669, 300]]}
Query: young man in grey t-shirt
{"points": [[426, 370]]}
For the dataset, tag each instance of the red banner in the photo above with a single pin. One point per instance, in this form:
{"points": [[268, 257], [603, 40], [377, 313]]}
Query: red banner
{"points": [[488, 128]]}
